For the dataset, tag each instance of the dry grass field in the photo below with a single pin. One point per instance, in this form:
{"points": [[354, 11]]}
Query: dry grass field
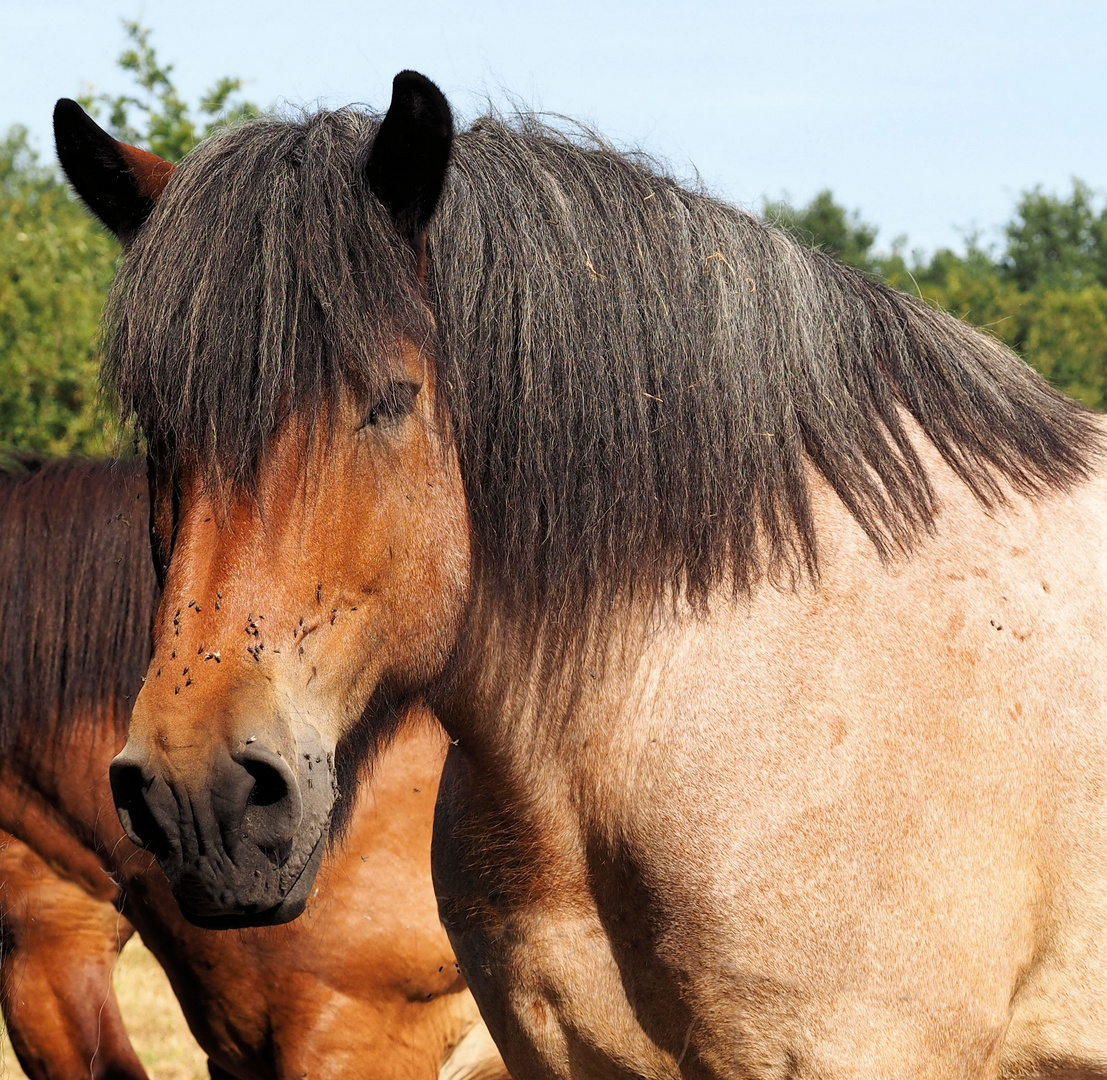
{"points": [[153, 1017]]}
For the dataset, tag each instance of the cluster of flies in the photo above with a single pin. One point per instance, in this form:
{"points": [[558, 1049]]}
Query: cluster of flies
{"points": [[252, 630]]}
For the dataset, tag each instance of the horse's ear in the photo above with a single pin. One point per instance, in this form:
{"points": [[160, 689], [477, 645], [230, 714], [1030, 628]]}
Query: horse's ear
{"points": [[407, 164], [119, 183]]}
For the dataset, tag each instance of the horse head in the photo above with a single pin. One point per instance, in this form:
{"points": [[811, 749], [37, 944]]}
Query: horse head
{"points": [[306, 600]]}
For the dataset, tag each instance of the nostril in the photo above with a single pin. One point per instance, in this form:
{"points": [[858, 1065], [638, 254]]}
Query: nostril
{"points": [[274, 806], [129, 786], [270, 786]]}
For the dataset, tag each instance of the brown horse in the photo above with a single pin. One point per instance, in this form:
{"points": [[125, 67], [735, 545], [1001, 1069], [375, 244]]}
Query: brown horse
{"points": [[764, 605], [59, 947], [364, 985]]}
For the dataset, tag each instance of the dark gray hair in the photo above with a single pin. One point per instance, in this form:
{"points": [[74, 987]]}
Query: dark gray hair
{"points": [[637, 375]]}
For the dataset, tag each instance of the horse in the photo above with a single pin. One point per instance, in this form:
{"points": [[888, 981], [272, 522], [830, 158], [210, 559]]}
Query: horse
{"points": [[58, 947], [364, 985], [763, 604]]}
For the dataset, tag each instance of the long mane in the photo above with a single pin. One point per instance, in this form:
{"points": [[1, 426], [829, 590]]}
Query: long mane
{"points": [[639, 377], [77, 597]]}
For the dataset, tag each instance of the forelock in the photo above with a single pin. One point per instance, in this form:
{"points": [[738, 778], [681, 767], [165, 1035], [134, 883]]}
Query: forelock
{"points": [[267, 279]]}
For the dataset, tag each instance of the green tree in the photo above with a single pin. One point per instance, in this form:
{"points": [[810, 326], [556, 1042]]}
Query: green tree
{"points": [[969, 286], [1063, 333], [160, 120], [1057, 243], [1044, 293], [55, 269], [56, 263], [1056, 319]]}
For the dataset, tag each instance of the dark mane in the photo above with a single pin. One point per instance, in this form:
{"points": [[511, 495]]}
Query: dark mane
{"points": [[77, 596], [639, 376]]}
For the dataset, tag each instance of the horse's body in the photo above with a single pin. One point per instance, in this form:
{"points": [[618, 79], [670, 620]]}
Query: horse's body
{"points": [[364, 985], [764, 605], [60, 945], [892, 862]]}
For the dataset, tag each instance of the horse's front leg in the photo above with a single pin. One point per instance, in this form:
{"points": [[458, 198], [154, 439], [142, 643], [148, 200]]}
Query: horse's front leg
{"points": [[59, 947]]}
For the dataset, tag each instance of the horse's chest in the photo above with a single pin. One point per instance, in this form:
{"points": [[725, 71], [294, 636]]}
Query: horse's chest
{"points": [[534, 946]]}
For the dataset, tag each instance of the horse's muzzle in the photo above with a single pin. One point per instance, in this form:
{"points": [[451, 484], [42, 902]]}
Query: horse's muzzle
{"points": [[240, 844]]}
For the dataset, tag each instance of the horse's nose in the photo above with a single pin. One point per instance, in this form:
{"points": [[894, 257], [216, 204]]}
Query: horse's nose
{"points": [[145, 805], [275, 805], [238, 826], [253, 798]]}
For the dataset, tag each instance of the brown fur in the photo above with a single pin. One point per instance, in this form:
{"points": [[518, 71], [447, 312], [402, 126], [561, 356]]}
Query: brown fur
{"points": [[59, 950], [364, 984], [151, 172], [73, 640]]}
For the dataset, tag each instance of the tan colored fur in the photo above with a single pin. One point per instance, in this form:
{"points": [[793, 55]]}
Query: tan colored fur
{"points": [[858, 830], [846, 830]]}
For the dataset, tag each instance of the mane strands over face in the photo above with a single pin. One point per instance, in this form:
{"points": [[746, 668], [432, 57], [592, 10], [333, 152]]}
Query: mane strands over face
{"points": [[77, 599], [267, 278], [638, 376]]}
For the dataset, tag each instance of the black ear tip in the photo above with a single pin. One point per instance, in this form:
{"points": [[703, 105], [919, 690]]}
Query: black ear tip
{"points": [[72, 124], [414, 81], [417, 94], [66, 111]]}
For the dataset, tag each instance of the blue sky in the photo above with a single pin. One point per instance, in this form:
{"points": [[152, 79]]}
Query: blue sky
{"points": [[930, 118]]}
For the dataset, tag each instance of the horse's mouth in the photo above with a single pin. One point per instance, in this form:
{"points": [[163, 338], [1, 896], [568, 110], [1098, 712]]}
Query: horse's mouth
{"points": [[208, 913]]}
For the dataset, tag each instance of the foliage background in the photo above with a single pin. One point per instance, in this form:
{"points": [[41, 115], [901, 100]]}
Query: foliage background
{"points": [[1042, 289], [56, 263]]}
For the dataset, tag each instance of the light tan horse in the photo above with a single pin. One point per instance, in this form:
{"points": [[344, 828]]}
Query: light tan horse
{"points": [[363, 985], [764, 605]]}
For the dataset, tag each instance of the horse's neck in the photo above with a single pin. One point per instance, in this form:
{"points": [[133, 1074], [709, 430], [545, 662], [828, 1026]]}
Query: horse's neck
{"points": [[658, 677], [58, 823], [61, 794], [540, 722], [583, 722]]}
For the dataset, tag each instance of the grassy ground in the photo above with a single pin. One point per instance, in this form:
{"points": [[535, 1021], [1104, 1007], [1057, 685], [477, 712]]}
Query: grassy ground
{"points": [[153, 1018]]}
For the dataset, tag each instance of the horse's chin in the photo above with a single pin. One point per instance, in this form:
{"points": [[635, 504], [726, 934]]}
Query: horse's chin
{"points": [[231, 905]]}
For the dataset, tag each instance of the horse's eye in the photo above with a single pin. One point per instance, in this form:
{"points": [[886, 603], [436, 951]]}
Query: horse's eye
{"points": [[394, 404]]}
